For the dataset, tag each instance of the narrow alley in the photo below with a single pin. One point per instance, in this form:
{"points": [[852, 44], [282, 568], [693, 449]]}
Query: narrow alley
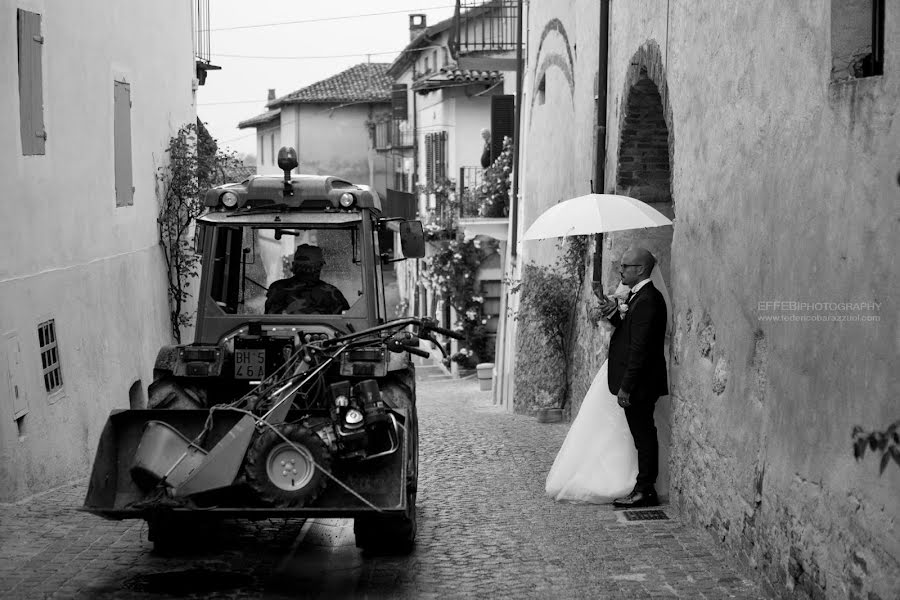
{"points": [[486, 530]]}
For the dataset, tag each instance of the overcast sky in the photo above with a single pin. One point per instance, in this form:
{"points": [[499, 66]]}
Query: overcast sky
{"points": [[239, 90]]}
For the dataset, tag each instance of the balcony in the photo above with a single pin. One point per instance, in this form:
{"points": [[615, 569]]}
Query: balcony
{"points": [[485, 35], [392, 134], [483, 204], [201, 41]]}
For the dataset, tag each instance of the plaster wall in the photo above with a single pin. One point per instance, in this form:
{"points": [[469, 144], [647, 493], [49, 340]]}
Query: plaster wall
{"points": [[69, 253], [785, 188], [469, 115]]}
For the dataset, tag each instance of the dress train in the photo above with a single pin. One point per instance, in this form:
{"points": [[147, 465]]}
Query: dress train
{"points": [[597, 461]]}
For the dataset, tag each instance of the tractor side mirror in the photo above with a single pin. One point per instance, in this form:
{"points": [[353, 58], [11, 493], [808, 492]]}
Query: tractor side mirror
{"points": [[412, 239]]}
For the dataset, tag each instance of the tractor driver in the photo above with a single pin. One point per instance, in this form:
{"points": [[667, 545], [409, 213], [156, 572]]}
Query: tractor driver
{"points": [[305, 293]]}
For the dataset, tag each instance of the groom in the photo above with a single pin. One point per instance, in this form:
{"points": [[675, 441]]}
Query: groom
{"points": [[637, 366]]}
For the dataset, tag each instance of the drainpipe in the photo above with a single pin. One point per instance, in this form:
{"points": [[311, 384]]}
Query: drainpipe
{"points": [[514, 204], [602, 81]]}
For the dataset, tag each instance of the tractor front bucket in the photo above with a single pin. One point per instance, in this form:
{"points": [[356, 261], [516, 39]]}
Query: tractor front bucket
{"points": [[138, 448]]}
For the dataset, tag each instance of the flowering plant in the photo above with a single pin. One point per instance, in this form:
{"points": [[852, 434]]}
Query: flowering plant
{"points": [[451, 273], [493, 193]]}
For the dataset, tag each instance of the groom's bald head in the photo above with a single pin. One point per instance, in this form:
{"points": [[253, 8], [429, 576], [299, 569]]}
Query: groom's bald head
{"points": [[641, 263]]}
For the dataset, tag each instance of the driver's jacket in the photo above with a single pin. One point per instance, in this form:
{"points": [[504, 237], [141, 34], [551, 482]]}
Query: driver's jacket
{"points": [[304, 296]]}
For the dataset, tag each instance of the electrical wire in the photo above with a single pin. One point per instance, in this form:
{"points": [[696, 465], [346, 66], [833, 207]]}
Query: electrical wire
{"points": [[322, 19]]}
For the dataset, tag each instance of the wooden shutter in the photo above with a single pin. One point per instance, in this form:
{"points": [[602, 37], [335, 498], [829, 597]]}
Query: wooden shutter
{"points": [[398, 102], [122, 143], [503, 114], [31, 90], [429, 158], [441, 154]]}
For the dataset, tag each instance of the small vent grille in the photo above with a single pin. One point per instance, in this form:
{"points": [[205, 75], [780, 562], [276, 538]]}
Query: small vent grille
{"points": [[51, 369], [645, 515]]}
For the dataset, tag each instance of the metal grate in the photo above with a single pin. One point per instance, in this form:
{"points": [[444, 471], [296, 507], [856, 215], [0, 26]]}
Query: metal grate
{"points": [[645, 515], [485, 26], [50, 356]]}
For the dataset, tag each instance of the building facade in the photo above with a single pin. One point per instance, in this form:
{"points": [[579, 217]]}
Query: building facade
{"points": [[769, 132], [445, 106], [92, 93]]}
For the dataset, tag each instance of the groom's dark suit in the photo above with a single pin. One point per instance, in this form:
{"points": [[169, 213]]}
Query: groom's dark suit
{"points": [[637, 365]]}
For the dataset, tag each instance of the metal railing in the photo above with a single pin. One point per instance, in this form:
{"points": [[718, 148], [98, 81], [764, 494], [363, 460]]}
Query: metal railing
{"points": [[470, 180], [201, 22], [485, 26], [392, 134]]}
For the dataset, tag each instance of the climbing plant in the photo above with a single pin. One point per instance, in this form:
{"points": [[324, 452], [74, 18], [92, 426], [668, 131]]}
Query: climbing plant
{"points": [[195, 164], [548, 298]]}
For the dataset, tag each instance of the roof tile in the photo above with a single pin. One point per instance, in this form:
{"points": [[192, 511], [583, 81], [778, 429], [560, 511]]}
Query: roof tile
{"points": [[365, 82]]}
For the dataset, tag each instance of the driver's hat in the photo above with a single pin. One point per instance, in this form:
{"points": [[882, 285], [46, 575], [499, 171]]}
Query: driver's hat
{"points": [[307, 255]]}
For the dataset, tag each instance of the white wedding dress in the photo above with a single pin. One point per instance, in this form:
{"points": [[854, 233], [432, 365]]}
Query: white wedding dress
{"points": [[597, 462]]}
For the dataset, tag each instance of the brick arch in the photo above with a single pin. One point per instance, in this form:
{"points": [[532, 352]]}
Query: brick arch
{"points": [[646, 146]]}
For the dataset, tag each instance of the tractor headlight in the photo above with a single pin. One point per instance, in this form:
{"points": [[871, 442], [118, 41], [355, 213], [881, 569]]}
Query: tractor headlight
{"points": [[229, 199], [347, 200]]}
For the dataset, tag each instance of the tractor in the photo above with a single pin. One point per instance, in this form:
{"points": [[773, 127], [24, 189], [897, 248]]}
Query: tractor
{"points": [[297, 397]]}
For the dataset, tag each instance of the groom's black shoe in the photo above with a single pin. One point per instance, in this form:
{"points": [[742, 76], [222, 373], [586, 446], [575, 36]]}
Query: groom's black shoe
{"points": [[637, 499]]}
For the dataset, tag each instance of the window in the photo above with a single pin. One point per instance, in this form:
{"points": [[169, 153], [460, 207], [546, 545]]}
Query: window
{"points": [[435, 157], [122, 143], [262, 150], [434, 59], [427, 66], [50, 356], [542, 90], [398, 102], [244, 271], [272, 148], [857, 39], [31, 91]]}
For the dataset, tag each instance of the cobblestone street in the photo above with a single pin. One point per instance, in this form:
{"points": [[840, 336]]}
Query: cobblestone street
{"points": [[486, 530]]}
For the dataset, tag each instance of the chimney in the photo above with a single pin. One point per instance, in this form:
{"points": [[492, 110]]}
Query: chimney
{"points": [[271, 94], [416, 25]]}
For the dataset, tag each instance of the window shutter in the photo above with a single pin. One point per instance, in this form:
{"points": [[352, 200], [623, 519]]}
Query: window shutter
{"points": [[503, 114], [441, 167], [122, 143], [429, 158], [398, 102], [31, 90]]}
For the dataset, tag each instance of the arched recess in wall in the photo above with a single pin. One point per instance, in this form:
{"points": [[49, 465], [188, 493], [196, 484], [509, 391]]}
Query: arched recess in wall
{"points": [[546, 59], [645, 158], [644, 171]]}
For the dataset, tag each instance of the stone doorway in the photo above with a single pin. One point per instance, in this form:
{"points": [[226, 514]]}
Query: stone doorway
{"points": [[644, 172]]}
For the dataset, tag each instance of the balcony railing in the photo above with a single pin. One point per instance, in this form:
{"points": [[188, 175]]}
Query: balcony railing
{"points": [[470, 179], [392, 134], [485, 26]]}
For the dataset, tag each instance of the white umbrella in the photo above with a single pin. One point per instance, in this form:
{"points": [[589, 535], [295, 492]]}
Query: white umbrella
{"points": [[594, 213]]}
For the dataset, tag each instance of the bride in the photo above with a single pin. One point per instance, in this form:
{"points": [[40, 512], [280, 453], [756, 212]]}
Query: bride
{"points": [[598, 461]]}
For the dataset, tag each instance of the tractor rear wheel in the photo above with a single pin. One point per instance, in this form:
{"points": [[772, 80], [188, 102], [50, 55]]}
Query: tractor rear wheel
{"points": [[287, 472]]}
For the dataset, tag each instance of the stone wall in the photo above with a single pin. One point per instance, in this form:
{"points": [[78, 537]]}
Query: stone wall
{"points": [[784, 187]]}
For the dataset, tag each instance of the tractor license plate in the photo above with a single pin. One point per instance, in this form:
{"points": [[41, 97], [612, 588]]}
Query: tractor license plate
{"points": [[249, 364]]}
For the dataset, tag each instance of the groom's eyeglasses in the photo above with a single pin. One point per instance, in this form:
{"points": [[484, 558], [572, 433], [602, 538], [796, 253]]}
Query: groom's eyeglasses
{"points": [[623, 266]]}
